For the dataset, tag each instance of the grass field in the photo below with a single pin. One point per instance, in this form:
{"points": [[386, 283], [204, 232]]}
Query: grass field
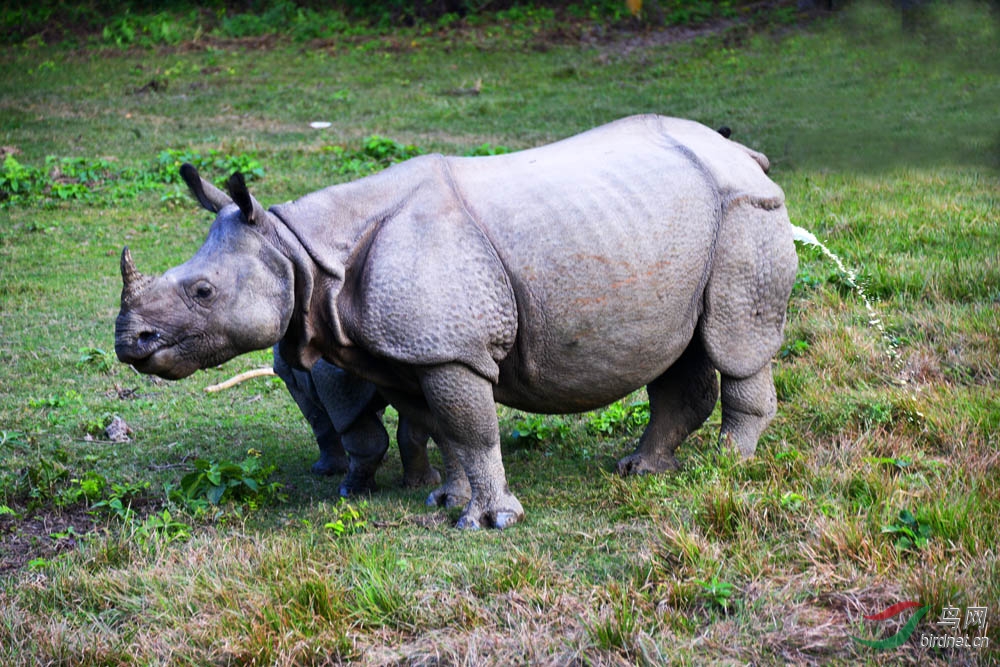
{"points": [[878, 481]]}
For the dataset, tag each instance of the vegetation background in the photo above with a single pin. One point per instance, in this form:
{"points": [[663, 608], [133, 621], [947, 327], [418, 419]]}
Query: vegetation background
{"points": [[147, 522]]}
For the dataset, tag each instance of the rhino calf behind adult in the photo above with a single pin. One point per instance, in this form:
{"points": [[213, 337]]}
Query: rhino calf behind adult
{"points": [[651, 251], [344, 413]]}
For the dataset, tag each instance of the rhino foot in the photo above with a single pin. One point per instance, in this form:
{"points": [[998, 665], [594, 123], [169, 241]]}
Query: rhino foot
{"points": [[357, 485], [499, 520], [637, 464], [429, 477], [329, 466], [450, 494], [506, 512]]}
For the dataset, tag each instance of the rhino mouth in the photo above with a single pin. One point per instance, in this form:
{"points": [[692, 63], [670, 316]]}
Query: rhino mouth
{"points": [[151, 353], [165, 363]]}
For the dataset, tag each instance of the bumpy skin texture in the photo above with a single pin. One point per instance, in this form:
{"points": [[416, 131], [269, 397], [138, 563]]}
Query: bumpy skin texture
{"points": [[648, 252], [344, 412]]}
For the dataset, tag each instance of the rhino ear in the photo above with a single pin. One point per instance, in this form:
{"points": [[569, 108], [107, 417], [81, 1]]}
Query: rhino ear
{"points": [[209, 196], [252, 211]]}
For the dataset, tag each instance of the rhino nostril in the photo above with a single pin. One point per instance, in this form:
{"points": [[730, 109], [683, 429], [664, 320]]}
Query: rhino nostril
{"points": [[146, 337]]}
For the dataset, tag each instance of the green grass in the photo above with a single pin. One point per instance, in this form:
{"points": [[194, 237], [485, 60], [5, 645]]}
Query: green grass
{"points": [[886, 146]]}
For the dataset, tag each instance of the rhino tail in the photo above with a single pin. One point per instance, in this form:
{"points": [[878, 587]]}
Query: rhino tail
{"points": [[759, 158]]}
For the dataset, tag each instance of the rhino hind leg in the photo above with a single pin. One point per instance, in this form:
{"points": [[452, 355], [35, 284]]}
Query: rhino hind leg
{"points": [[748, 405], [745, 304], [462, 406], [680, 401]]}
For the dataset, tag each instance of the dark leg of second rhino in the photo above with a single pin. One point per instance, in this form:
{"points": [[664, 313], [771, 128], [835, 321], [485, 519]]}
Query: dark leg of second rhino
{"points": [[332, 457]]}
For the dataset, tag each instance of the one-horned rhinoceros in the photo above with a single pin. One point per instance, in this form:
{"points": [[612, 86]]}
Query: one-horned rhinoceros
{"points": [[650, 252]]}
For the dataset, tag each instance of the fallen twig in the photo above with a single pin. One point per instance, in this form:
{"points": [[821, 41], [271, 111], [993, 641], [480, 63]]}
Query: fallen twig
{"points": [[232, 382]]}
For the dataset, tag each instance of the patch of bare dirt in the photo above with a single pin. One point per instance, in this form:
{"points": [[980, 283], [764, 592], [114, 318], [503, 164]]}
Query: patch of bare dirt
{"points": [[42, 534], [49, 531]]}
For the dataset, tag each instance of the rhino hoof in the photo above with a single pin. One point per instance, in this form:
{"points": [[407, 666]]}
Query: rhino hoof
{"points": [[498, 519], [637, 464], [504, 512]]}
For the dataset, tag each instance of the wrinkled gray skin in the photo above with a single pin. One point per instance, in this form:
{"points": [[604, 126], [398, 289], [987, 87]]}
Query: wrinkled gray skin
{"points": [[648, 252], [345, 415]]}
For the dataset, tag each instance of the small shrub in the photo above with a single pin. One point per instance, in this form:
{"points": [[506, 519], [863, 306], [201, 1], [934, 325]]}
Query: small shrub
{"points": [[619, 417], [88, 488], [487, 149], [40, 482], [118, 502], [148, 31], [167, 166], [164, 526], [285, 18], [95, 425], [99, 181], [717, 593], [19, 183], [794, 348], [348, 519], [538, 429], [217, 482], [376, 153], [910, 533]]}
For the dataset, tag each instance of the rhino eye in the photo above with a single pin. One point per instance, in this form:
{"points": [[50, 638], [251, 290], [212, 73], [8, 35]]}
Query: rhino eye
{"points": [[202, 291]]}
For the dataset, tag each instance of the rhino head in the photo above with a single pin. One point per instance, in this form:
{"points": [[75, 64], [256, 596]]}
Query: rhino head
{"points": [[235, 295]]}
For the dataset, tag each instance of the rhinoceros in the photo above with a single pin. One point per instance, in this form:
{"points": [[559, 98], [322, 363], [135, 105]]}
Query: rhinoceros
{"points": [[650, 252], [344, 413]]}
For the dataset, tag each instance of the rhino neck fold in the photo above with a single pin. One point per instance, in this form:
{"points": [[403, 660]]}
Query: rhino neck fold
{"points": [[330, 230], [303, 338]]}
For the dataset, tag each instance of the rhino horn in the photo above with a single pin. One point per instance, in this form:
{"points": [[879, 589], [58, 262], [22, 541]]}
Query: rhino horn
{"points": [[133, 282], [209, 196], [252, 211]]}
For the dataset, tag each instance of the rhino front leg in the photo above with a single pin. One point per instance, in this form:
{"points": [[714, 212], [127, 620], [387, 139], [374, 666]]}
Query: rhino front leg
{"points": [[367, 442], [412, 440], [748, 405], [417, 418], [332, 457], [680, 400], [461, 403]]}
